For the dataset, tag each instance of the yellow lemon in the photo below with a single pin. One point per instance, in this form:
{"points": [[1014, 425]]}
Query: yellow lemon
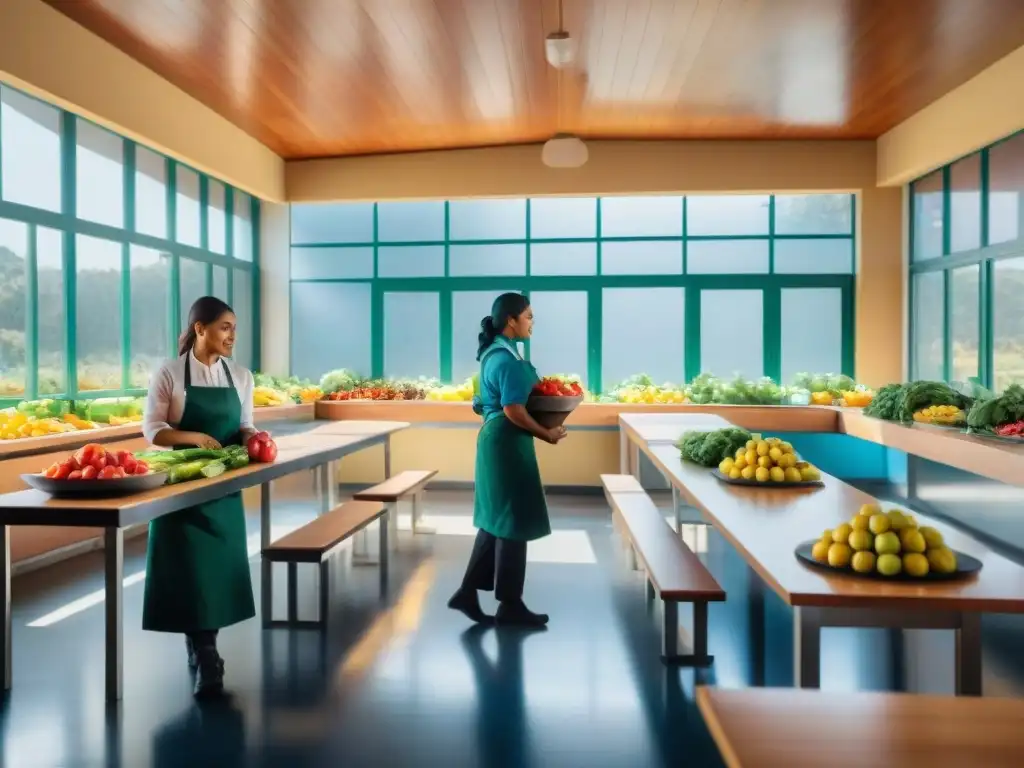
{"points": [[889, 565], [887, 543], [764, 461], [826, 535], [896, 519], [841, 534], [741, 461], [911, 520], [862, 541], [763, 448], [792, 474], [820, 551], [762, 475], [911, 540], [879, 524], [726, 466], [932, 538], [787, 461], [863, 562], [747, 473], [915, 564], [778, 475], [786, 447], [751, 445], [870, 509], [741, 453], [860, 523], [775, 453], [810, 473], [736, 473], [941, 559], [839, 555], [751, 457]]}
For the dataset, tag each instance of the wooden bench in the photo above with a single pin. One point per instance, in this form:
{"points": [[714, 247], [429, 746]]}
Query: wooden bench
{"points": [[673, 572], [412, 482], [314, 543]]}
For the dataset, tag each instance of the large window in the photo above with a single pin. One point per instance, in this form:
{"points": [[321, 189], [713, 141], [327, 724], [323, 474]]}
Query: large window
{"points": [[103, 243], [967, 268], [669, 286]]}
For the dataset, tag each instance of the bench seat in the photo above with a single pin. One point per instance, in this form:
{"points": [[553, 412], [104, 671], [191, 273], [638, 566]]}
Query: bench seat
{"points": [[411, 482]]}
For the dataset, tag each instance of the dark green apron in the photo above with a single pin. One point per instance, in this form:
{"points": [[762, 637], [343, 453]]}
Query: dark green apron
{"points": [[509, 501], [197, 562]]}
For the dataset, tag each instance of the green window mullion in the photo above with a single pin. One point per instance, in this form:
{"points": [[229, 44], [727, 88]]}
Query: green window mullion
{"points": [[684, 236], [126, 316], [376, 229], [204, 212], [377, 330], [444, 296], [595, 321], [600, 264], [772, 339], [691, 309], [946, 234], [69, 206], [255, 217], [771, 235], [229, 223], [947, 321], [174, 326], [529, 252], [209, 279], [129, 186], [171, 200], [987, 346], [32, 316], [848, 319]]}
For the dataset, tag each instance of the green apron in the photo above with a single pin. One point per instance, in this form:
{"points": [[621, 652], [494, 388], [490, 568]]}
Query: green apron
{"points": [[509, 501], [197, 562]]}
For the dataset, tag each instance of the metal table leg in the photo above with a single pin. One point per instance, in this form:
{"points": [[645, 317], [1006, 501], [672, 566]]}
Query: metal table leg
{"points": [[7, 639], [676, 511], [266, 582], [113, 556], [328, 487], [387, 457], [968, 655], [623, 452], [806, 648]]}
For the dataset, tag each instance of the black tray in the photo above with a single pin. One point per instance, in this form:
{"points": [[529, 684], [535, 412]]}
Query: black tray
{"points": [[965, 565], [121, 486], [768, 484]]}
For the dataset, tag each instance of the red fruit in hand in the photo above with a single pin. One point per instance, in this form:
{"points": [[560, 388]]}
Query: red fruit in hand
{"points": [[89, 472]]}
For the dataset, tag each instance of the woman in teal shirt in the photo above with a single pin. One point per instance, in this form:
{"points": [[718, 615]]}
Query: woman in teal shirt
{"points": [[509, 507]]}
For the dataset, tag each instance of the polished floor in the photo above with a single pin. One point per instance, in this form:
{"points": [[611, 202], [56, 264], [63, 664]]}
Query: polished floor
{"points": [[401, 681]]}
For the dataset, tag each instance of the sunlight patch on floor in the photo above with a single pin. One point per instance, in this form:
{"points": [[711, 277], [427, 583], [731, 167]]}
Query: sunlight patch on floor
{"points": [[562, 546]]}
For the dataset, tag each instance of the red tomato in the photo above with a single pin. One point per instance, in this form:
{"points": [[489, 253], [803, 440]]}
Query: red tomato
{"points": [[76, 475], [108, 473], [87, 453], [269, 452], [100, 462], [63, 470], [113, 460], [129, 463], [140, 468], [119, 473], [52, 469], [89, 472]]}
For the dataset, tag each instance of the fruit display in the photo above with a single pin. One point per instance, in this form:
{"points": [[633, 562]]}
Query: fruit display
{"points": [[860, 397], [833, 389], [115, 411], [462, 393], [94, 462], [194, 463], [885, 543], [711, 448], [380, 390], [770, 461], [708, 389], [899, 402], [558, 386], [266, 397], [945, 415], [292, 388], [1001, 415], [339, 380], [16, 425]]}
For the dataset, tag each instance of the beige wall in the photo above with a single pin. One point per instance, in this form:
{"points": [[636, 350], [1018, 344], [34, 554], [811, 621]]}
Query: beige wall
{"points": [[983, 110], [46, 54]]}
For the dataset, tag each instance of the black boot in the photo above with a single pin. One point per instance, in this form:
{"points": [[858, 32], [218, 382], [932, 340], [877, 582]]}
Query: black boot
{"points": [[467, 601], [209, 673], [515, 613], [192, 642]]}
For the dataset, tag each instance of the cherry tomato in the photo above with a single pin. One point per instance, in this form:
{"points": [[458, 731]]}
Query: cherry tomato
{"points": [[100, 462], [89, 472], [63, 470], [52, 469], [107, 473], [141, 469], [76, 475]]}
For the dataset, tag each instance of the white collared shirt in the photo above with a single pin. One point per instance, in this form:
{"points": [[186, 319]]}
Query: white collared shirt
{"points": [[165, 402]]}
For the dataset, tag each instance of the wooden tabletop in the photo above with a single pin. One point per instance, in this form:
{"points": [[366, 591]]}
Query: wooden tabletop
{"points": [[295, 452], [765, 525], [801, 728]]}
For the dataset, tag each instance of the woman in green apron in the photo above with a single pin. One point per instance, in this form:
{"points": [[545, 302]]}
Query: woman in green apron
{"points": [[197, 564], [509, 507]]}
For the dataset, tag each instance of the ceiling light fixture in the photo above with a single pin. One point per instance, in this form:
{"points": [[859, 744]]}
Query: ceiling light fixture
{"points": [[564, 151], [560, 49]]}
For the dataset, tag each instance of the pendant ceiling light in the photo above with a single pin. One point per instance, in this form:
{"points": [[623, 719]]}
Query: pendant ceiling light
{"points": [[563, 150]]}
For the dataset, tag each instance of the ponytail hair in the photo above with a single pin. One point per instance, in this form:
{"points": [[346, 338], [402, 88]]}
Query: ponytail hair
{"points": [[505, 308], [204, 311]]}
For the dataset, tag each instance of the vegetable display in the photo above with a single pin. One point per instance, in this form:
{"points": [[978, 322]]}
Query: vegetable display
{"points": [[899, 402], [94, 462], [1001, 415], [558, 386], [709, 449], [948, 415], [193, 463]]}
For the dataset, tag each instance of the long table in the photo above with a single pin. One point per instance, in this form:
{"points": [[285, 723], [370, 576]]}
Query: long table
{"points": [[780, 728], [766, 525], [299, 450]]}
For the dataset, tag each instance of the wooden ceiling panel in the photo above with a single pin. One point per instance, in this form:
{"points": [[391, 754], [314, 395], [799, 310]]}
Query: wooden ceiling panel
{"points": [[315, 78]]}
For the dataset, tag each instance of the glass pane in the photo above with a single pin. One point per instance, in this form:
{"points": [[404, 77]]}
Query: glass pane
{"points": [[641, 332], [13, 306], [316, 306], [192, 275], [98, 321], [242, 223], [30, 136], [150, 193], [486, 260], [331, 263], [220, 283], [642, 257], [563, 259], [723, 351], [412, 335], [332, 223], [1008, 322], [559, 343], [99, 163], [727, 257], [1006, 191], [403, 222], [813, 214], [927, 201], [487, 219], [562, 217], [814, 257], [727, 215], [468, 309], [151, 311], [812, 331], [52, 322], [187, 200], [641, 216], [965, 322], [241, 302], [410, 261], [216, 217], [929, 302], [965, 204]]}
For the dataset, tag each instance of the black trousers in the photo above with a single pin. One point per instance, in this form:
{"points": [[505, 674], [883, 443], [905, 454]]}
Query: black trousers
{"points": [[497, 564]]}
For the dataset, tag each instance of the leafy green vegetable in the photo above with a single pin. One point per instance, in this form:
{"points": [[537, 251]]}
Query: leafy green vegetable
{"points": [[922, 394], [886, 403], [709, 448], [341, 380], [987, 414]]}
